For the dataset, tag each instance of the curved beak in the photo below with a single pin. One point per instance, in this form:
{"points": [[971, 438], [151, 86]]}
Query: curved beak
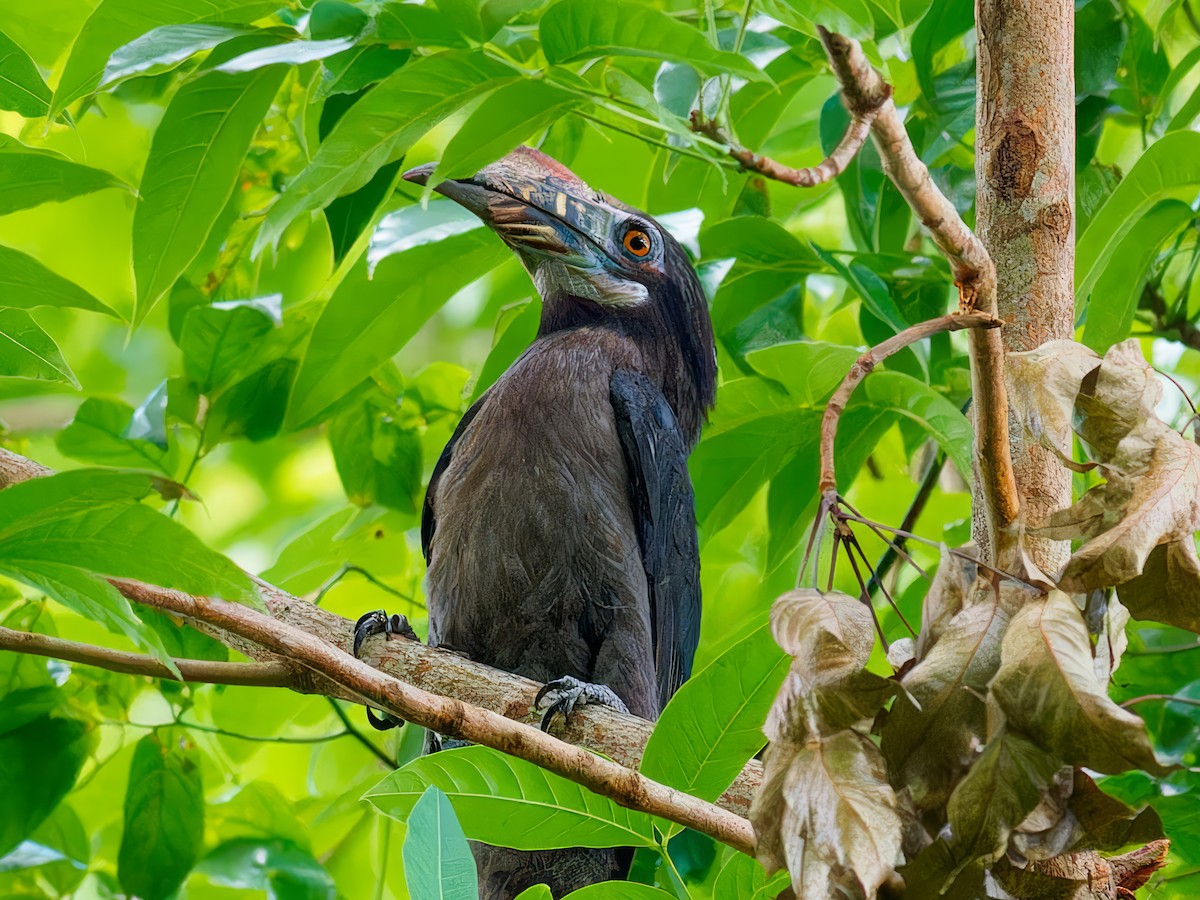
{"points": [[534, 203]]}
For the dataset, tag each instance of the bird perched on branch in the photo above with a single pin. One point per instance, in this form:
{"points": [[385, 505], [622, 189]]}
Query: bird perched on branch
{"points": [[559, 526]]}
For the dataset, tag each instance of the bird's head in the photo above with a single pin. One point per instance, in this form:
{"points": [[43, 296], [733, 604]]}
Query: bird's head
{"points": [[595, 260]]}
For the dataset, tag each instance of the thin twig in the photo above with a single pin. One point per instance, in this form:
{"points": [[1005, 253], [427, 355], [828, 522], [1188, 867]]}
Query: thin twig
{"points": [[868, 361], [200, 671], [915, 508], [1169, 698], [952, 551], [357, 734], [346, 569], [833, 165], [974, 273], [854, 544], [865, 597], [892, 545]]}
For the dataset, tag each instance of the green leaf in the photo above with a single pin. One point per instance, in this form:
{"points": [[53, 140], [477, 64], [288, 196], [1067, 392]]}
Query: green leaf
{"points": [[463, 16], [713, 724], [508, 802], [164, 817], [583, 29], [945, 20], [39, 763], [64, 534], [100, 434], [870, 288], [615, 890], [915, 400], [1048, 689], [117, 22], [1111, 307], [1100, 35], [220, 341], [1169, 169], [31, 177], [26, 283], [365, 64], [22, 706], [503, 120], [810, 370], [366, 321], [378, 460], [192, 171], [162, 49], [742, 878], [437, 859], [28, 352], [409, 26], [291, 53], [22, 88], [277, 867], [349, 215], [769, 261], [380, 128]]}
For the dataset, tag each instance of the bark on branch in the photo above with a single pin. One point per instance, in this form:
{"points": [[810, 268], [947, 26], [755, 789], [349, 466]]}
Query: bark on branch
{"points": [[441, 690], [833, 165], [200, 671]]}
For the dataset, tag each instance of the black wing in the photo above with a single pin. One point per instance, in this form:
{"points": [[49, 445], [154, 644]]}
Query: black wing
{"points": [[428, 517], [664, 511]]}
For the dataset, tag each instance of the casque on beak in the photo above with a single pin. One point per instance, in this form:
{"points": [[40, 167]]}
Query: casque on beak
{"points": [[535, 204]]}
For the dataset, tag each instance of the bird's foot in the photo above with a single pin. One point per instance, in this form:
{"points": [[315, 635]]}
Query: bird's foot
{"points": [[562, 695], [379, 622]]}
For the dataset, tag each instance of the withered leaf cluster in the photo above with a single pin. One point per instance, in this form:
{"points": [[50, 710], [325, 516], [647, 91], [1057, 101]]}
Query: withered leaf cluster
{"points": [[974, 781]]}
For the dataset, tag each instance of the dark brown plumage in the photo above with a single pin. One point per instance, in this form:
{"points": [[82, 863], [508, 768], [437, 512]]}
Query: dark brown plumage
{"points": [[559, 525]]}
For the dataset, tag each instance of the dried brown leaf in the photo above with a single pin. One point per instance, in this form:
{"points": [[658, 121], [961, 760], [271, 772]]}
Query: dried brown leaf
{"points": [[1152, 492], [1008, 781], [1047, 688], [829, 634], [934, 728], [827, 814], [1168, 590], [952, 589], [1042, 386]]}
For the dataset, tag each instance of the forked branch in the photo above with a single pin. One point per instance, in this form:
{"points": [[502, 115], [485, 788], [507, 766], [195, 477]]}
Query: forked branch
{"points": [[974, 275], [868, 99], [863, 367]]}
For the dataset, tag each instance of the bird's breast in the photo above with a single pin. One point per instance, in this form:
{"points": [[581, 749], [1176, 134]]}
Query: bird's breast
{"points": [[535, 543]]}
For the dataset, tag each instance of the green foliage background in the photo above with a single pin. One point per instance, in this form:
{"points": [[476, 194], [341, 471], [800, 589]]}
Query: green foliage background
{"points": [[210, 271]]}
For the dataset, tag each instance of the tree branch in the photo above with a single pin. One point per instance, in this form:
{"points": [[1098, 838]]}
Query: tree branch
{"points": [[484, 693], [974, 275], [863, 366], [452, 717], [868, 99], [832, 166], [200, 671]]}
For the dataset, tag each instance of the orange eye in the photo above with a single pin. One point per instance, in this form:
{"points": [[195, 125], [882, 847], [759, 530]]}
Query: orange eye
{"points": [[637, 242]]}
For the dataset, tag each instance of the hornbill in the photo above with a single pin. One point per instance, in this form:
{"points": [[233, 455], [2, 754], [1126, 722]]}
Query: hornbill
{"points": [[559, 526]]}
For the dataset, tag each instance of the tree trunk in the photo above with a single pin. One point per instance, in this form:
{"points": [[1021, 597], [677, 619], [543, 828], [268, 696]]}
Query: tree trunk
{"points": [[1025, 172]]}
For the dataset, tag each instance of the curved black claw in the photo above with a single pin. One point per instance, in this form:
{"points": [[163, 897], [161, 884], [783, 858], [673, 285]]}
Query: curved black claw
{"points": [[562, 695], [379, 622]]}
